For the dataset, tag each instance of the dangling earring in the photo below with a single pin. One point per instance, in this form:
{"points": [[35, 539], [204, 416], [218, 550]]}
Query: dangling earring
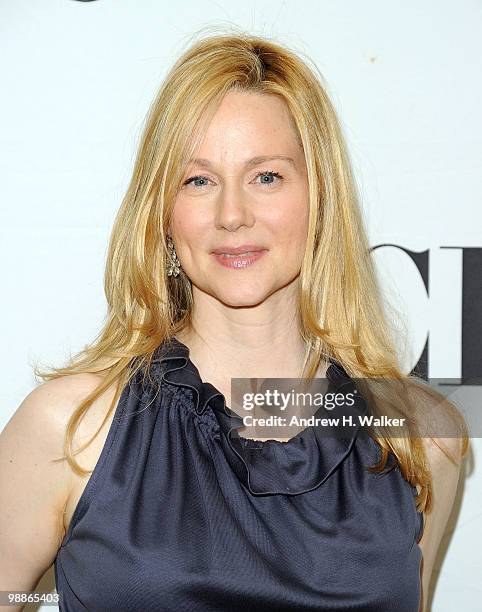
{"points": [[174, 264]]}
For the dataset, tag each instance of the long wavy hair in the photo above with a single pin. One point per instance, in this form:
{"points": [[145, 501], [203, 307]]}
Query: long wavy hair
{"points": [[347, 322]]}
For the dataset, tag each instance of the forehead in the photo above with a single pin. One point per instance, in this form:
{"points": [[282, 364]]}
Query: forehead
{"points": [[248, 163], [247, 126]]}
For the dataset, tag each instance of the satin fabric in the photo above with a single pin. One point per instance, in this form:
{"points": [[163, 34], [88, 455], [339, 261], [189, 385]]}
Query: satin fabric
{"points": [[183, 514]]}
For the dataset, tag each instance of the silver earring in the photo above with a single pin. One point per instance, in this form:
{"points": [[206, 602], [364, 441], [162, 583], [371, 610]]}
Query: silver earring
{"points": [[174, 264]]}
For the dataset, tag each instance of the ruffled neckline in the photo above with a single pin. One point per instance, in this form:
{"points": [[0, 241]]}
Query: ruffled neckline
{"points": [[270, 467]]}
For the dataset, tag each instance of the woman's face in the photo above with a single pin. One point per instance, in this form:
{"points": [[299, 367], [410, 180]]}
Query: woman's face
{"points": [[228, 199]]}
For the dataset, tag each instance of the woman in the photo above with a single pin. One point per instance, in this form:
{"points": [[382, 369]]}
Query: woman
{"points": [[238, 252]]}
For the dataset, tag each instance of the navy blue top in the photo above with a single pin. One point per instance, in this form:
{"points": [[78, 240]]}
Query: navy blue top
{"points": [[181, 514]]}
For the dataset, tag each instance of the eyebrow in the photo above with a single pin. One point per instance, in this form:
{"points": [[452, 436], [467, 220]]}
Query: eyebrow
{"points": [[249, 163]]}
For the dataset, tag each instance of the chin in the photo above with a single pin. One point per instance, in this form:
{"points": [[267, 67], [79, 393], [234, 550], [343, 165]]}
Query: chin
{"points": [[241, 299]]}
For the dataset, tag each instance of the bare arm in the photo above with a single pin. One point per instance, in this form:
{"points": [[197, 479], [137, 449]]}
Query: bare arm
{"points": [[445, 477], [33, 488]]}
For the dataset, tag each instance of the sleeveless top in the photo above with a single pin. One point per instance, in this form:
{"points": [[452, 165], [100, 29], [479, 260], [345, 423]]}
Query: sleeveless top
{"points": [[181, 514]]}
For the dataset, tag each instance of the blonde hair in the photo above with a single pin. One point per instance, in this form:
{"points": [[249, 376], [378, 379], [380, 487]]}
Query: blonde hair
{"points": [[146, 306]]}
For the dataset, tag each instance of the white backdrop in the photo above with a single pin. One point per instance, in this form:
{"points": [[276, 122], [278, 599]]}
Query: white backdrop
{"points": [[77, 79]]}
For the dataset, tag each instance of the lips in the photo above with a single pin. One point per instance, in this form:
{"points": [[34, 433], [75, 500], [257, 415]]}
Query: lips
{"points": [[244, 249], [234, 255], [241, 260]]}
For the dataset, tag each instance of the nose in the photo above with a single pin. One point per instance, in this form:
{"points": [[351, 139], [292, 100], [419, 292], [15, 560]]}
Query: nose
{"points": [[233, 208]]}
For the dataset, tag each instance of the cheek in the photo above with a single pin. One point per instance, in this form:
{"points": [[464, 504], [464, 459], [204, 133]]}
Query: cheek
{"points": [[188, 229], [290, 225]]}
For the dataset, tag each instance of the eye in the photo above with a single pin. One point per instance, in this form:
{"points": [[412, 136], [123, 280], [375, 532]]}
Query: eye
{"points": [[196, 178], [270, 174]]}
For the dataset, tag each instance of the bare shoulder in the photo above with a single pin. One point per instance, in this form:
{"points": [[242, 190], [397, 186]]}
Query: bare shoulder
{"points": [[58, 397], [439, 422], [43, 415], [34, 436], [33, 486], [47, 408], [442, 429]]}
